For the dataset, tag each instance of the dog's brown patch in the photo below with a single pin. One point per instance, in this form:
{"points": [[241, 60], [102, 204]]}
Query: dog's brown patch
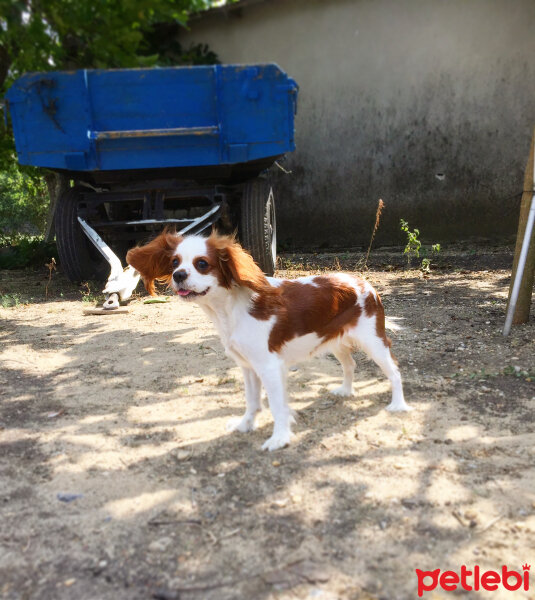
{"points": [[154, 260], [324, 307]]}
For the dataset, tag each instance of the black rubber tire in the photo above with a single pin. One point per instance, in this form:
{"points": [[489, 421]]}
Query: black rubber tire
{"points": [[258, 226], [79, 259]]}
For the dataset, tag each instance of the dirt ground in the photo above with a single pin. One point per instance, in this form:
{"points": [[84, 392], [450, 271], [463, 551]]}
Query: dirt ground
{"points": [[124, 416]]}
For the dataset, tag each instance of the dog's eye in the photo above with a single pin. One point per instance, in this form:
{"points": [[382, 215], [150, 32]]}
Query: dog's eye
{"points": [[175, 263], [201, 265]]}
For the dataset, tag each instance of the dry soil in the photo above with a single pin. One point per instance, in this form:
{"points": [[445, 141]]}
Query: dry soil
{"points": [[125, 417]]}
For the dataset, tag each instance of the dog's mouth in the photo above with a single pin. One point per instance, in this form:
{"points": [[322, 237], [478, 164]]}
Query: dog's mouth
{"points": [[190, 293]]}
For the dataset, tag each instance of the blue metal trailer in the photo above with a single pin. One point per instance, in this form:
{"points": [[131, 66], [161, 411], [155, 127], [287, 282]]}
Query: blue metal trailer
{"points": [[184, 146]]}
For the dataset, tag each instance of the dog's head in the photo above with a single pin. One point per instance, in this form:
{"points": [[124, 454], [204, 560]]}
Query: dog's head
{"points": [[196, 267]]}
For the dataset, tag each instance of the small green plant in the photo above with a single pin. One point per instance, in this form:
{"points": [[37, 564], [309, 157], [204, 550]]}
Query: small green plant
{"points": [[414, 247], [426, 265], [10, 300], [435, 249], [413, 243]]}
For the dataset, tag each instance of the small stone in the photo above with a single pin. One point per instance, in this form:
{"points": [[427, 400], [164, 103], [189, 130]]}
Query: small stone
{"points": [[276, 463], [182, 454], [69, 582], [68, 497], [160, 545]]}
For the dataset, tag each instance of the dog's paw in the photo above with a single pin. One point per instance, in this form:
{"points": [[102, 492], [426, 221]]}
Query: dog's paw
{"points": [[277, 440], [242, 425], [399, 407], [342, 391]]}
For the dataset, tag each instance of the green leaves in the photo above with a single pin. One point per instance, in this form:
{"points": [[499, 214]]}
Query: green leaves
{"points": [[40, 35], [414, 245], [23, 204]]}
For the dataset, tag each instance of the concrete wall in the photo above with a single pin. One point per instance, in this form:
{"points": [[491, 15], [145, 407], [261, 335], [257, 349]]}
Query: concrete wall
{"points": [[428, 104]]}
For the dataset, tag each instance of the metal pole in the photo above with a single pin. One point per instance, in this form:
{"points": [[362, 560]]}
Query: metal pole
{"points": [[520, 269]]}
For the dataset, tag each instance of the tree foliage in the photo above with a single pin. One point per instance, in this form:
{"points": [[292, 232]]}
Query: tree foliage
{"points": [[23, 204], [40, 35]]}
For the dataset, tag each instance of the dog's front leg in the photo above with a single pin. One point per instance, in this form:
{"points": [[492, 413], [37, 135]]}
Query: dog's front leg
{"points": [[252, 399], [273, 377]]}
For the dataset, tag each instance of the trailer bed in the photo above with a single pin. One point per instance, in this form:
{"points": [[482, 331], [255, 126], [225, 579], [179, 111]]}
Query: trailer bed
{"points": [[218, 122]]}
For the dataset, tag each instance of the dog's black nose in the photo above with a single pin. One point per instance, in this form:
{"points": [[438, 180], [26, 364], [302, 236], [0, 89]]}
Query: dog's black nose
{"points": [[180, 275]]}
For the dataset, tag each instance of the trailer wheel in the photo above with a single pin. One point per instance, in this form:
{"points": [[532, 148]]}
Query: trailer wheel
{"points": [[258, 225], [80, 260]]}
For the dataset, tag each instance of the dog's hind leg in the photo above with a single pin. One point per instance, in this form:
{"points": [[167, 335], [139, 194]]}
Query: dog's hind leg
{"points": [[380, 353], [252, 399], [343, 354]]}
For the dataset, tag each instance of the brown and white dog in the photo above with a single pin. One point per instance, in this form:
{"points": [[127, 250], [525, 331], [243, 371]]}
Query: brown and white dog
{"points": [[268, 324]]}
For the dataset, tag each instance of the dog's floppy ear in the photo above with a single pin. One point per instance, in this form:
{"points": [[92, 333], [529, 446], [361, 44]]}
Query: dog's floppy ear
{"points": [[153, 261], [235, 264]]}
